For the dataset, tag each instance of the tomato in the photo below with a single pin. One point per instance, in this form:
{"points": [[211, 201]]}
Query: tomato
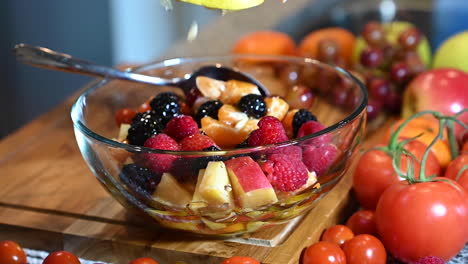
{"points": [[362, 222], [365, 249], [11, 253], [454, 169], [337, 234], [125, 116], [144, 107], [427, 129], [465, 147], [61, 257], [374, 172], [240, 260], [324, 253], [143, 261], [423, 219]]}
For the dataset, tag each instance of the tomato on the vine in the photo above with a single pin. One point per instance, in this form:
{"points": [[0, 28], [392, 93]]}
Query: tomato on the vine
{"points": [[423, 219], [143, 261], [337, 234], [61, 257], [458, 170], [11, 253], [324, 253], [374, 172], [362, 222], [240, 260], [365, 249]]}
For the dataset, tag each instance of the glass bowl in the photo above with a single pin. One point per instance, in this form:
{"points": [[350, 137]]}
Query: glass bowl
{"points": [[225, 192]]}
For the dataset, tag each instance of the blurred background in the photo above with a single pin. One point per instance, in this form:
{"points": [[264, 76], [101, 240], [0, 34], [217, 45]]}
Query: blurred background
{"points": [[114, 32]]}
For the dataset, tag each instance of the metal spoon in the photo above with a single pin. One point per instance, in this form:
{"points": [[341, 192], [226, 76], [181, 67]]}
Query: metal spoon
{"points": [[46, 58]]}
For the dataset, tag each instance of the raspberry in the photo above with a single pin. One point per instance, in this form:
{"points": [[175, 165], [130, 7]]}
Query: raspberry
{"points": [[270, 131], [319, 158], [311, 127], [431, 260], [294, 152], [181, 126], [284, 173], [160, 163], [139, 179], [196, 142]]}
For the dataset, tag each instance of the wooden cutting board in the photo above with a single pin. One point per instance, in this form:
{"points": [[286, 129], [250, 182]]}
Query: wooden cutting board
{"points": [[50, 200]]}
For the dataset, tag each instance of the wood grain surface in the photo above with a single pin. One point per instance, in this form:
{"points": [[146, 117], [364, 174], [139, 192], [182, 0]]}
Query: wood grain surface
{"points": [[50, 200]]}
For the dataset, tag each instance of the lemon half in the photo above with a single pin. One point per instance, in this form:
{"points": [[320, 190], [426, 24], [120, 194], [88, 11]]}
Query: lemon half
{"points": [[226, 4]]}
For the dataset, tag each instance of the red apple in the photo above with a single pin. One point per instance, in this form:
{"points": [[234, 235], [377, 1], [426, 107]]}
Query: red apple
{"points": [[251, 187], [444, 90]]}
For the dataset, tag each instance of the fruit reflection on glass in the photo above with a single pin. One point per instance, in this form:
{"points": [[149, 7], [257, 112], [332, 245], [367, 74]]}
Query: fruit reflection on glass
{"points": [[223, 160]]}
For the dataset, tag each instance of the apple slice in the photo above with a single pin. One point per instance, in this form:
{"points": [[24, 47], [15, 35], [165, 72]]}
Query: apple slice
{"points": [[169, 192], [251, 187], [214, 186]]}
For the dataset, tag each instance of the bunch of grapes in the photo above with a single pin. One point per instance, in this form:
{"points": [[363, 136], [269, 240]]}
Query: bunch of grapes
{"points": [[387, 68]]}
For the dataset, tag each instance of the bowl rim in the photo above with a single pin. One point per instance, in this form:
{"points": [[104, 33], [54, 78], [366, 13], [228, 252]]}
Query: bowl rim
{"points": [[94, 85]]}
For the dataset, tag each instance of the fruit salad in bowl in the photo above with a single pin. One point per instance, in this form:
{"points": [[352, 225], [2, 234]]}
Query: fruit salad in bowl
{"points": [[223, 159]]}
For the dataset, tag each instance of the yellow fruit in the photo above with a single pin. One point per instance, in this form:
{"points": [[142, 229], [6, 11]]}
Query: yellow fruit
{"points": [[234, 90], [213, 184], [209, 87], [231, 115], [276, 107], [226, 4], [453, 53]]}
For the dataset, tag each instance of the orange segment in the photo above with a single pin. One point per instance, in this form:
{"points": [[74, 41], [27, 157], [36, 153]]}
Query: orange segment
{"points": [[223, 135], [276, 107], [344, 38], [287, 122], [230, 114], [234, 90]]}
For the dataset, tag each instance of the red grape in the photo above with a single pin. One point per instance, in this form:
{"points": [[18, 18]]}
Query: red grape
{"points": [[393, 102], [410, 38], [372, 57], [374, 34], [379, 88], [327, 50], [399, 72], [374, 107]]}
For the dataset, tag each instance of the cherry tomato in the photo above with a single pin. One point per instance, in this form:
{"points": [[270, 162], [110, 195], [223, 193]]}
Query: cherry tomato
{"points": [[362, 222], [61, 257], [240, 260], [125, 116], [465, 147], [337, 234], [365, 249], [11, 253], [423, 219], [143, 261], [374, 172], [324, 253], [454, 169]]}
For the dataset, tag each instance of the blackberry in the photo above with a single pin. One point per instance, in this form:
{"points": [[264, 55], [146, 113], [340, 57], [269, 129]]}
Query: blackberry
{"points": [[166, 105], [186, 169], [253, 105], [300, 117], [139, 179], [209, 108], [144, 125]]}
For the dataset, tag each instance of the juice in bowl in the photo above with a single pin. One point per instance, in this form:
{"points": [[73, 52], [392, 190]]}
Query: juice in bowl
{"points": [[224, 159]]}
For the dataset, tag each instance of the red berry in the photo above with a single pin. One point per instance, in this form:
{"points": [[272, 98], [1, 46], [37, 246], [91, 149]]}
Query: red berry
{"points": [[125, 116], [294, 152], [196, 142], [160, 163], [319, 158], [181, 126], [284, 173], [430, 260], [311, 127], [270, 131]]}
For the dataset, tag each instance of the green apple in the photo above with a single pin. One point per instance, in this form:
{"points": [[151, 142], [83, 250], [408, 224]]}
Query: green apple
{"points": [[453, 53], [394, 30]]}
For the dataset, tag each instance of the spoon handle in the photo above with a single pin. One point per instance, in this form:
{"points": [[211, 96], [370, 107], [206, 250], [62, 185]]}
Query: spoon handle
{"points": [[46, 58]]}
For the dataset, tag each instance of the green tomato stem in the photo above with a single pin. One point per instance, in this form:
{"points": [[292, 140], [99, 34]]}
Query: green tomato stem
{"points": [[394, 138], [460, 172], [452, 140], [422, 169]]}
